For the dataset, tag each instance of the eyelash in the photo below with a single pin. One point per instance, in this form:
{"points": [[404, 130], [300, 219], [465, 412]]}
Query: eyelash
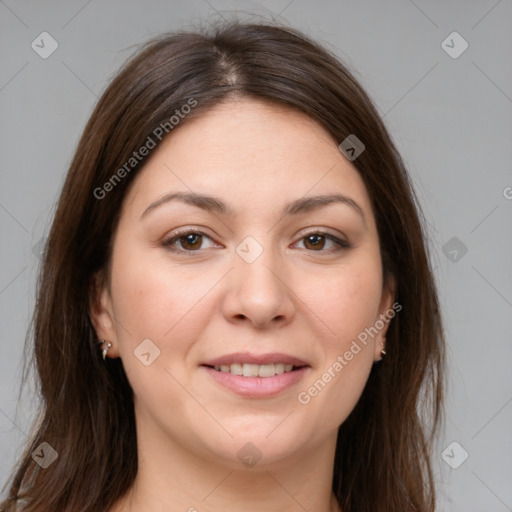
{"points": [[169, 242]]}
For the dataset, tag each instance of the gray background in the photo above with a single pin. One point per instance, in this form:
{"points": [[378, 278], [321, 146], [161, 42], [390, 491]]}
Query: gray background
{"points": [[451, 119]]}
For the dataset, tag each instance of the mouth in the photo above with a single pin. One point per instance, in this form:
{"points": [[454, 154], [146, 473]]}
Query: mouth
{"points": [[255, 370], [256, 376]]}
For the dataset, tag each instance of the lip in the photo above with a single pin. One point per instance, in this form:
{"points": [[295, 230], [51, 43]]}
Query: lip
{"points": [[246, 357], [257, 387]]}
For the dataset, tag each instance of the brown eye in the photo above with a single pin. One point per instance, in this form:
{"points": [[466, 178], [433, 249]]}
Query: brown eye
{"points": [[192, 241], [315, 242], [323, 243], [188, 242]]}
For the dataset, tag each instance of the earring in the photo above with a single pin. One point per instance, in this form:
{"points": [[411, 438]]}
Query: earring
{"points": [[105, 350], [383, 352]]}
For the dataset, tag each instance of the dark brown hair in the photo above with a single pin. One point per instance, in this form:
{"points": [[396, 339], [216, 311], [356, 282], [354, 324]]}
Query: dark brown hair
{"points": [[87, 415]]}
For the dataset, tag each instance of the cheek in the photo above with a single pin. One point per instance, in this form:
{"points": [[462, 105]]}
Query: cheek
{"points": [[346, 300], [156, 300], [357, 295]]}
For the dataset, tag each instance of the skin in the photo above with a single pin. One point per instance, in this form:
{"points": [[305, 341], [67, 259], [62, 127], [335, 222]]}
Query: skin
{"points": [[310, 301]]}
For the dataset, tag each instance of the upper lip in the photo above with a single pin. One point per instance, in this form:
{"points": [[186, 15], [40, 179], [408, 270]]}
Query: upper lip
{"points": [[246, 357]]}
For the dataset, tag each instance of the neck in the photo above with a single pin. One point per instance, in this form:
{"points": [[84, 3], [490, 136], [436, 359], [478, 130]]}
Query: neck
{"points": [[172, 477]]}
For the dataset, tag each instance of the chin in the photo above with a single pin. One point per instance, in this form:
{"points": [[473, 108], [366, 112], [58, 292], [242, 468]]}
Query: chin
{"points": [[256, 447]]}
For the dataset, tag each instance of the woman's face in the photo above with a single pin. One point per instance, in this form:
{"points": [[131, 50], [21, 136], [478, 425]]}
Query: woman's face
{"points": [[246, 247]]}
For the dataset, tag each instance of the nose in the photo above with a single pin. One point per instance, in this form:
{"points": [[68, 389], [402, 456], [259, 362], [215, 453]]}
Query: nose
{"points": [[258, 293]]}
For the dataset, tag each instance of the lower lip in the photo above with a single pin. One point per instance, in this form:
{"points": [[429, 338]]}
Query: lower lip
{"points": [[257, 387]]}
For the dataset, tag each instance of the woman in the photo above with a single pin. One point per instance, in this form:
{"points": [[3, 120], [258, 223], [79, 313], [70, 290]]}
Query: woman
{"points": [[236, 307]]}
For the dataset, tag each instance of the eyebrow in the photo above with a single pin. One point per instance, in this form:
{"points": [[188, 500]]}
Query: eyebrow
{"points": [[216, 205]]}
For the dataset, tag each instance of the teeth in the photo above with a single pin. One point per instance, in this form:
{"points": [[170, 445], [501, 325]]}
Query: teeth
{"points": [[266, 370], [255, 370], [250, 370], [236, 369], [279, 368]]}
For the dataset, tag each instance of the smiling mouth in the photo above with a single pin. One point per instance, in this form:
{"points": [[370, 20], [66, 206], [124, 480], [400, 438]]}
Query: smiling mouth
{"points": [[255, 370]]}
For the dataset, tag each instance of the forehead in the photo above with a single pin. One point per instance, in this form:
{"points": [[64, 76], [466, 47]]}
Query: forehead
{"points": [[247, 130], [249, 152]]}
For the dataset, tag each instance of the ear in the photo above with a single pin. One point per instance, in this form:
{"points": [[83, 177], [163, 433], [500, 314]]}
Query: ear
{"points": [[101, 312], [385, 315]]}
